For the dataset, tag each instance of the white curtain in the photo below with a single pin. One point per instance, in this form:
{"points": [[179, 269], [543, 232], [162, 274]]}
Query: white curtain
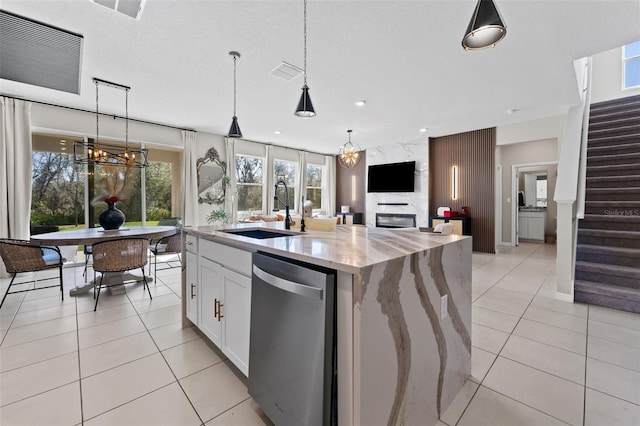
{"points": [[329, 185], [15, 170], [301, 180], [230, 199], [190, 194], [269, 180]]}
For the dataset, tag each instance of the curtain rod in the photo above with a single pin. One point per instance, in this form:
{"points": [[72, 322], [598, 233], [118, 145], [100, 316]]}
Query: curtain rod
{"points": [[93, 112]]}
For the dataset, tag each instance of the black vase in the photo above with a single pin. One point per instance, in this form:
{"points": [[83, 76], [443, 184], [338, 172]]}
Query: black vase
{"points": [[111, 218]]}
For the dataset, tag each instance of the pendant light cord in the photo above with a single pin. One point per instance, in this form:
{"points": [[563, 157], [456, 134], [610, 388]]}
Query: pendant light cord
{"points": [[234, 84], [305, 42], [126, 120], [97, 115]]}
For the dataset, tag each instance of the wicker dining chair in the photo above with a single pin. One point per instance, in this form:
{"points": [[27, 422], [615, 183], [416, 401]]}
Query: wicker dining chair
{"points": [[165, 246], [25, 256], [120, 255]]}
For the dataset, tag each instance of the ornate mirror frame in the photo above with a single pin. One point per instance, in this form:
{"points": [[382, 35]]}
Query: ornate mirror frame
{"points": [[213, 157]]}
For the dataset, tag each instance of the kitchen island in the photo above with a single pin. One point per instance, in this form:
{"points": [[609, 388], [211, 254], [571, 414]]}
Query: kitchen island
{"points": [[403, 314]]}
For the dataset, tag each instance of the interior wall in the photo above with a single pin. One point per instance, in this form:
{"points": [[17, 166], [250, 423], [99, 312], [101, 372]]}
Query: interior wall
{"points": [[474, 154], [526, 153], [416, 202], [346, 194], [606, 80]]}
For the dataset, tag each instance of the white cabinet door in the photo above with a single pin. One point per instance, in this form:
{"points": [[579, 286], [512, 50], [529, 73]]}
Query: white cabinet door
{"points": [[523, 227], [236, 312], [192, 290], [211, 292], [536, 228]]}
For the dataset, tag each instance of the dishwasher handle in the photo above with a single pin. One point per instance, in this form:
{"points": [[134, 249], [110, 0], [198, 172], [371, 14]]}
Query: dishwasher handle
{"points": [[286, 285]]}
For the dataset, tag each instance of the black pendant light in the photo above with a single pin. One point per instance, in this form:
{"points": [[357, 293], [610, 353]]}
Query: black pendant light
{"points": [[234, 130], [485, 28], [305, 107]]}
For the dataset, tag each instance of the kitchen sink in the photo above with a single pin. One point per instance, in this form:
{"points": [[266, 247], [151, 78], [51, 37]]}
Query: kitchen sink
{"points": [[260, 234]]}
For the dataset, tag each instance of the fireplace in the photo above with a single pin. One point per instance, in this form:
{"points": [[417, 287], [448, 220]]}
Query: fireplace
{"points": [[395, 220]]}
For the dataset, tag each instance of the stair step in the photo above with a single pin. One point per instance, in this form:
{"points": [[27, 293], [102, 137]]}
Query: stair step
{"points": [[616, 103], [603, 139], [611, 221], [611, 296], [627, 129], [625, 276], [623, 194], [627, 158], [614, 119], [612, 181], [613, 149], [609, 238], [608, 255], [614, 170]]}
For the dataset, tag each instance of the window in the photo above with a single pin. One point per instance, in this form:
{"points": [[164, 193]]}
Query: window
{"points": [[314, 185], [286, 170], [162, 175], [249, 178], [57, 197], [631, 65]]}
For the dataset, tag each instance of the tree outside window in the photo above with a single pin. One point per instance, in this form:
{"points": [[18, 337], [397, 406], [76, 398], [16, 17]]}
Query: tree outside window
{"points": [[249, 177], [286, 170], [631, 65], [314, 185]]}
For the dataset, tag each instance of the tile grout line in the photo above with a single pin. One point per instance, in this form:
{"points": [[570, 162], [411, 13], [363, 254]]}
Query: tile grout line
{"points": [[79, 365], [498, 354], [166, 362]]}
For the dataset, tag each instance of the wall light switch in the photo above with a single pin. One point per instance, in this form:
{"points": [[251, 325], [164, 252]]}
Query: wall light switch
{"points": [[444, 311]]}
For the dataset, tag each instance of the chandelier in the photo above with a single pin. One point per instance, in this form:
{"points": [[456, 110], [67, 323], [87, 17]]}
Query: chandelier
{"points": [[349, 155], [97, 152]]}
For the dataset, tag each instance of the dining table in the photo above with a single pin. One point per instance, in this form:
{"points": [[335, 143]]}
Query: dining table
{"points": [[90, 236]]}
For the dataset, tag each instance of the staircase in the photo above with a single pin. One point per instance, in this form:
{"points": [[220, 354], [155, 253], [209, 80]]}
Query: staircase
{"points": [[608, 251]]}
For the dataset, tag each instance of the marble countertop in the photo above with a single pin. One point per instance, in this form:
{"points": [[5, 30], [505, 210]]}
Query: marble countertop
{"points": [[348, 248]]}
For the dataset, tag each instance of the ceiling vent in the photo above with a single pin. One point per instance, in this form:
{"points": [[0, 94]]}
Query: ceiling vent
{"points": [[131, 8], [286, 71], [39, 54]]}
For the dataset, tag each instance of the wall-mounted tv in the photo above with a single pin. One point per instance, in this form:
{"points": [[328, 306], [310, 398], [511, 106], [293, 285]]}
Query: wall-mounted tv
{"points": [[392, 177]]}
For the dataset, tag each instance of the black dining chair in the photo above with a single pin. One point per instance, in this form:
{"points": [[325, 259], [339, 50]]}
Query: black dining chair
{"points": [[120, 255], [171, 245], [21, 256]]}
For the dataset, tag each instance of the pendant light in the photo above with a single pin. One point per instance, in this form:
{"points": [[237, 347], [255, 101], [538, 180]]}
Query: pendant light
{"points": [[234, 130], [305, 107], [98, 153], [485, 28], [349, 155]]}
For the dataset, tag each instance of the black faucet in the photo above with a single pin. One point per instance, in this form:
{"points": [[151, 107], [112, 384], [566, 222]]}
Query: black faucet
{"points": [[276, 200], [302, 225]]}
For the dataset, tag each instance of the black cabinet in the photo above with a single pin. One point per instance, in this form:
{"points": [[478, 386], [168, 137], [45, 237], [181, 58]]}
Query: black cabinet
{"points": [[461, 224], [357, 218]]}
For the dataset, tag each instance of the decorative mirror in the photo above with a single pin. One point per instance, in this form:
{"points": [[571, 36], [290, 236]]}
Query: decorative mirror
{"points": [[212, 178]]}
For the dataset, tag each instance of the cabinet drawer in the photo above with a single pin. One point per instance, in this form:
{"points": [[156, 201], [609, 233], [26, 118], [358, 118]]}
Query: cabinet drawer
{"points": [[191, 244], [230, 257]]}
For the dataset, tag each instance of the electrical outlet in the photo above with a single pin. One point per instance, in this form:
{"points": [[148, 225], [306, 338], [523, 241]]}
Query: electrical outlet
{"points": [[444, 311]]}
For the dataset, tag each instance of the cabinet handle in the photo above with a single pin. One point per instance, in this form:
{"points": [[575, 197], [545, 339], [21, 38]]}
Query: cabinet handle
{"points": [[193, 286], [220, 316], [189, 243], [215, 308]]}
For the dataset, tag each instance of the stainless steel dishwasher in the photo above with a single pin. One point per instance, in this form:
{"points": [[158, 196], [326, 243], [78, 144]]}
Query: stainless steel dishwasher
{"points": [[292, 358]]}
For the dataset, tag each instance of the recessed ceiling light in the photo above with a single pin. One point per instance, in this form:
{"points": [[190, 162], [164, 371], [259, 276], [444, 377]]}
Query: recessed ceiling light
{"points": [[423, 130], [277, 132], [63, 148], [360, 103], [512, 111], [62, 141]]}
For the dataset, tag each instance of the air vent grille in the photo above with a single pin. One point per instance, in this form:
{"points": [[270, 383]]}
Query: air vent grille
{"points": [[286, 71], [39, 54]]}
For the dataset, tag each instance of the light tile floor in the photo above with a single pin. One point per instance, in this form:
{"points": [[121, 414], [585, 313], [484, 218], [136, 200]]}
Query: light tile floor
{"points": [[535, 360]]}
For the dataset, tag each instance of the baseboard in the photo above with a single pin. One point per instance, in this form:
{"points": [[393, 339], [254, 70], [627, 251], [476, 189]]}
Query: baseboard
{"points": [[564, 296]]}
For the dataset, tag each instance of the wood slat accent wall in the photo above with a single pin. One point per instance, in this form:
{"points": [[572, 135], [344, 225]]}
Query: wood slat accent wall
{"points": [[343, 187], [474, 154]]}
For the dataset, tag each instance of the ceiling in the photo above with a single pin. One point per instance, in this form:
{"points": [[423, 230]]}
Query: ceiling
{"points": [[403, 57]]}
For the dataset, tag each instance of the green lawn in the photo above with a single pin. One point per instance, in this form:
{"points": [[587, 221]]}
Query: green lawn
{"points": [[73, 227]]}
